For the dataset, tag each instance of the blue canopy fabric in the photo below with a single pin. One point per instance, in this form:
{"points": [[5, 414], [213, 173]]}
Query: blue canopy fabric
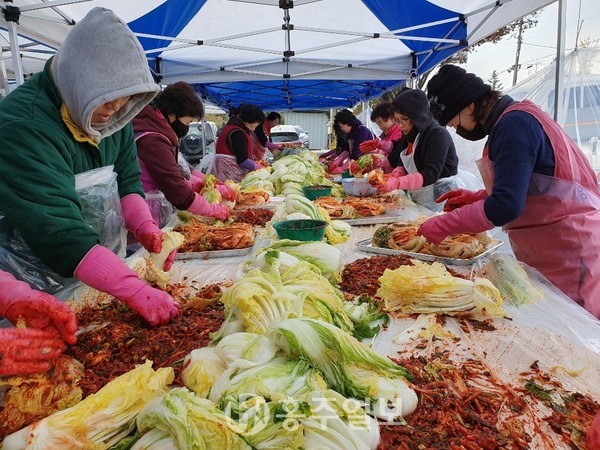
{"points": [[288, 54]]}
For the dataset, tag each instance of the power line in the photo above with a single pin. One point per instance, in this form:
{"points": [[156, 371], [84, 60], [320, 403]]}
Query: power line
{"points": [[538, 45]]}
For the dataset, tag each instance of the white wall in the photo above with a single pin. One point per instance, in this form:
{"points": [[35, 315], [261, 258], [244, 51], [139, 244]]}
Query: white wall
{"points": [[313, 122]]}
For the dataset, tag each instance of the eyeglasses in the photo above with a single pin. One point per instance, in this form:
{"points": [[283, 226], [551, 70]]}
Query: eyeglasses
{"points": [[401, 120]]}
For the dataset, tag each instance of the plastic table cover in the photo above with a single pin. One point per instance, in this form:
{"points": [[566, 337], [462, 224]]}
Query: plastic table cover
{"points": [[556, 332]]}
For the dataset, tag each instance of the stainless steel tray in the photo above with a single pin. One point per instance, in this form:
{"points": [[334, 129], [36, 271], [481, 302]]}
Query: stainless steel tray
{"points": [[389, 216], [214, 254], [373, 220], [265, 206], [272, 204], [366, 246]]}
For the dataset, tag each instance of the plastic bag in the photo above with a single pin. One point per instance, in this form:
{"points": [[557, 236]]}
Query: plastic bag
{"points": [[206, 163], [101, 209], [160, 208], [427, 195], [184, 166], [101, 206]]}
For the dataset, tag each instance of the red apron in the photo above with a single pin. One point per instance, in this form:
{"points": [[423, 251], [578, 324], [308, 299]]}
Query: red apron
{"points": [[558, 232]]}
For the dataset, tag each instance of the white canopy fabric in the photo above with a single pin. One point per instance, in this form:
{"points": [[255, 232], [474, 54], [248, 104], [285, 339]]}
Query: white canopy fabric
{"points": [[280, 54], [580, 101]]}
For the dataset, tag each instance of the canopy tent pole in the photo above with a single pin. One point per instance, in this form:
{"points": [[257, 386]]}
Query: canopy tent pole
{"points": [[12, 15], [3, 76], [560, 59]]}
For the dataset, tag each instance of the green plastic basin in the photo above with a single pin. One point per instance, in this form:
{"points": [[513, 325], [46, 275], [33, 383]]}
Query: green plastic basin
{"points": [[313, 192], [301, 229]]}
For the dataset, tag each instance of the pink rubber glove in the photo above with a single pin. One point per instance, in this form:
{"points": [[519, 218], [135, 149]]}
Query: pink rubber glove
{"points": [[103, 270], [468, 219], [198, 174], [410, 182], [26, 350], [201, 207], [226, 192], [334, 166], [340, 168], [399, 172], [353, 167], [368, 146], [592, 437], [38, 309], [386, 146], [323, 157], [460, 197], [272, 146], [139, 221], [196, 181]]}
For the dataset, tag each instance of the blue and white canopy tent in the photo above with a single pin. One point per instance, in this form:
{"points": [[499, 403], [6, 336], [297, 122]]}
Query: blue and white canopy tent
{"points": [[280, 54]]}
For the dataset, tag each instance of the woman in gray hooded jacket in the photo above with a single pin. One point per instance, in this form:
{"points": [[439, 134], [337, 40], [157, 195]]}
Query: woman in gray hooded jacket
{"points": [[424, 158], [71, 118]]}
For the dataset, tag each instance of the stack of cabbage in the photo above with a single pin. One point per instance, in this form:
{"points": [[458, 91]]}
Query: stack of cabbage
{"points": [[430, 288], [283, 372], [294, 279], [102, 420], [289, 174]]}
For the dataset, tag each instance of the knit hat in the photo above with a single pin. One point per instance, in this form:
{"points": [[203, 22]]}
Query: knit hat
{"points": [[451, 90]]}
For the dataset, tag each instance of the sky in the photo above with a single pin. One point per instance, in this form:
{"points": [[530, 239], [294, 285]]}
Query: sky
{"points": [[539, 43]]}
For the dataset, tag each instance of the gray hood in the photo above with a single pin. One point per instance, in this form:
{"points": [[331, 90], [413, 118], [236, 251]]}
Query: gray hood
{"points": [[100, 61]]}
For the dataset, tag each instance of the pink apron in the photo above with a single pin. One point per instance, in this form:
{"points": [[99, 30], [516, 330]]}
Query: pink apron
{"points": [[257, 152], [558, 232]]}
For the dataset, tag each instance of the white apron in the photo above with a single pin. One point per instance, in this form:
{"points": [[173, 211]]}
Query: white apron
{"points": [[427, 195]]}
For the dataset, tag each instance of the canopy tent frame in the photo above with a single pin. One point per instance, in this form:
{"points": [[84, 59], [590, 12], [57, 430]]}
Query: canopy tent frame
{"points": [[281, 72], [11, 15]]}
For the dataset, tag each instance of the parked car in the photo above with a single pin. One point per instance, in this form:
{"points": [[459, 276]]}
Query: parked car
{"points": [[199, 141], [285, 134], [303, 136]]}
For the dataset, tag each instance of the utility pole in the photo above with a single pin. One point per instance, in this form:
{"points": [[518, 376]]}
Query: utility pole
{"points": [[519, 41]]}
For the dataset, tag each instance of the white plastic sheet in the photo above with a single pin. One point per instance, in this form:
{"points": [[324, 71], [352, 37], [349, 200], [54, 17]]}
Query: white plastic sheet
{"points": [[561, 336]]}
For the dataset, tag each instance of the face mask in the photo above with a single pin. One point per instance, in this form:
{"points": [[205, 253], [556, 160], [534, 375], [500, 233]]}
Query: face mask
{"points": [[477, 134], [180, 128]]}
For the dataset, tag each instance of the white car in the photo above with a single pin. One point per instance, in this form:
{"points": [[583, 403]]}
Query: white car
{"points": [[303, 136], [285, 134]]}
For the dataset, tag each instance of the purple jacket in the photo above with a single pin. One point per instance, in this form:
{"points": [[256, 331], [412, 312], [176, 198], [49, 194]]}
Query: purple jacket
{"points": [[357, 136]]}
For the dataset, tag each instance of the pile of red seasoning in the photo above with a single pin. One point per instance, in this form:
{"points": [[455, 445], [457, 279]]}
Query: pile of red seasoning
{"points": [[123, 339], [459, 408], [257, 217]]}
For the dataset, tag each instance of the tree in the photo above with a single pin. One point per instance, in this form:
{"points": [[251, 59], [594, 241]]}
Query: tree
{"points": [[461, 57], [494, 81], [511, 29]]}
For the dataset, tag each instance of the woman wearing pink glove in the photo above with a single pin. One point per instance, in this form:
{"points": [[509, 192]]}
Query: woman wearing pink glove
{"points": [[49, 324], [424, 158], [539, 186], [86, 126], [341, 146], [158, 128], [232, 159], [383, 116], [263, 134]]}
